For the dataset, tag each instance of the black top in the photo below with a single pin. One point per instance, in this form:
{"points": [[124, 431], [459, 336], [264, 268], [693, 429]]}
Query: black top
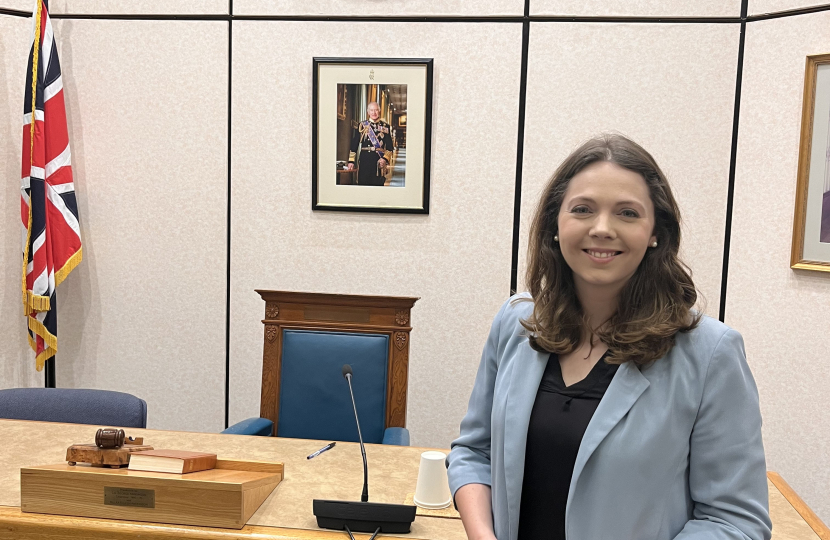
{"points": [[558, 421], [369, 174]]}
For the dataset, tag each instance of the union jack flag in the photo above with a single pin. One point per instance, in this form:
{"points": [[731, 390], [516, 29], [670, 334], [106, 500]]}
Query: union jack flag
{"points": [[51, 234]]}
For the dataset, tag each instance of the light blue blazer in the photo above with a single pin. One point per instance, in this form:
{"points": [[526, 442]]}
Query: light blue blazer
{"points": [[673, 451]]}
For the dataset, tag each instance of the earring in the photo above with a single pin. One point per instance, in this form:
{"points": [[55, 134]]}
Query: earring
{"points": [[556, 238], [654, 244]]}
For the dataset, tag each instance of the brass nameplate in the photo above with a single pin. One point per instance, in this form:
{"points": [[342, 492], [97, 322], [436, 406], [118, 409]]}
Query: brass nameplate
{"points": [[141, 498]]}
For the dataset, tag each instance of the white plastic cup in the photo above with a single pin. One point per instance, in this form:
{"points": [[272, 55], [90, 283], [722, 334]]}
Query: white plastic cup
{"points": [[433, 488]]}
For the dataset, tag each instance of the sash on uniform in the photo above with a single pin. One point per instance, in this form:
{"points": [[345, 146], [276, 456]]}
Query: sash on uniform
{"points": [[373, 138]]}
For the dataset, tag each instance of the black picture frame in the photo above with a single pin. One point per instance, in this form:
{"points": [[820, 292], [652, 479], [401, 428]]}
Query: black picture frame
{"points": [[327, 194]]}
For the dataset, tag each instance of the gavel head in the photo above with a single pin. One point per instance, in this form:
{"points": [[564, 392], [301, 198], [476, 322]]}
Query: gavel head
{"points": [[110, 438]]}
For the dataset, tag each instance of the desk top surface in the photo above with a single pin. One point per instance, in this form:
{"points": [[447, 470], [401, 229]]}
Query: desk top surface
{"points": [[336, 474]]}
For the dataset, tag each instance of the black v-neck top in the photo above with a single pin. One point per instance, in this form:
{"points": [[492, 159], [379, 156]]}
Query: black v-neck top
{"points": [[558, 422]]}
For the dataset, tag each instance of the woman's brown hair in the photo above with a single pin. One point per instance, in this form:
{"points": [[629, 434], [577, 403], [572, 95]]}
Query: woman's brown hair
{"points": [[656, 302]]}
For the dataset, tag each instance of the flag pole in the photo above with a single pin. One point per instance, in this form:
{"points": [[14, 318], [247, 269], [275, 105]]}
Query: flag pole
{"points": [[50, 373]]}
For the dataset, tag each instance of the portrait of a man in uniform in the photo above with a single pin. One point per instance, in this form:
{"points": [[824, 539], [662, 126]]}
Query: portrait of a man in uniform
{"points": [[363, 112], [371, 146], [371, 149]]}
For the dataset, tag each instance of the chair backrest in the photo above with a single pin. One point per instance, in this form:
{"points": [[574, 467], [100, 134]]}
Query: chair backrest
{"points": [[308, 339], [74, 405], [314, 400]]}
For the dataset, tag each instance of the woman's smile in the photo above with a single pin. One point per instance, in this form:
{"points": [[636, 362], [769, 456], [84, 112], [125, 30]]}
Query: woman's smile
{"points": [[602, 256]]}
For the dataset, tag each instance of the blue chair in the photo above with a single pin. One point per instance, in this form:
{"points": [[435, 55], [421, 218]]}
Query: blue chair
{"points": [[95, 407], [74, 405], [252, 426], [308, 339]]}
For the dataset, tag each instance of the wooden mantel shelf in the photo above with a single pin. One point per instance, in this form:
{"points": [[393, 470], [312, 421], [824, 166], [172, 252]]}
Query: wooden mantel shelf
{"points": [[355, 300]]}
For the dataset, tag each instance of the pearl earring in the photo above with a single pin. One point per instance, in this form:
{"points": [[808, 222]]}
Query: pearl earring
{"points": [[556, 238], [654, 244]]}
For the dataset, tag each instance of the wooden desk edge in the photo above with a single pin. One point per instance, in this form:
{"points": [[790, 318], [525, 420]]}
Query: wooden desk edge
{"points": [[15, 524], [800, 506], [18, 525]]}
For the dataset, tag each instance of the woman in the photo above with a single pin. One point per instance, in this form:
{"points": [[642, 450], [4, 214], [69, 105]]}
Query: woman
{"points": [[604, 406]]}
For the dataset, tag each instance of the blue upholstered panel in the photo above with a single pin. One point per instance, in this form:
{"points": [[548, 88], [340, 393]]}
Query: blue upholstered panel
{"points": [[74, 405], [314, 396], [397, 436], [252, 426]]}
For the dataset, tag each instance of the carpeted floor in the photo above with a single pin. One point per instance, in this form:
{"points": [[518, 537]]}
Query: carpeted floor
{"points": [[399, 171]]}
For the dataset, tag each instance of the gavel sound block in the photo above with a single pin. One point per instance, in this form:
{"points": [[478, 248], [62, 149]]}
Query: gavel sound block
{"points": [[111, 449]]}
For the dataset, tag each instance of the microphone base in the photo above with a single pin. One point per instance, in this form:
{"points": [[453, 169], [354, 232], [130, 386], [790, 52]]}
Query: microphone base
{"points": [[363, 516]]}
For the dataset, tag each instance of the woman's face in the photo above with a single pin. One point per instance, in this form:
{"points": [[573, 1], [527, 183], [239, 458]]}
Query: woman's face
{"points": [[606, 223]]}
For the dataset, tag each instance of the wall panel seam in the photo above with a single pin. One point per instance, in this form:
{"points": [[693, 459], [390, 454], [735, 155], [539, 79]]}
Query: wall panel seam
{"points": [[437, 18], [787, 13], [517, 196], [228, 245], [730, 196]]}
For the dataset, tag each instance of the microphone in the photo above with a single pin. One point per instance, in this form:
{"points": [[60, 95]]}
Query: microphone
{"points": [[347, 374], [362, 516]]}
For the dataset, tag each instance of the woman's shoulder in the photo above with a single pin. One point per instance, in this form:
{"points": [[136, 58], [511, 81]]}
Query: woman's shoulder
{"points": [[707, 335], [711, 341], [517, 307], [507, 323]]}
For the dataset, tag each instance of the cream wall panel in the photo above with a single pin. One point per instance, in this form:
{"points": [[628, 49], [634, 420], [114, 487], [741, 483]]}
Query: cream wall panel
{"points": [[140, 7], [639, 8], [669, 87], [457, 259], [145, 311], [784, 315], [757, 7], [22, 5], [17, 364], [388, 7]]}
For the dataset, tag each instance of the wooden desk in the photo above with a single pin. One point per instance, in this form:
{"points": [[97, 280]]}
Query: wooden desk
{"points": [[286, 514]]}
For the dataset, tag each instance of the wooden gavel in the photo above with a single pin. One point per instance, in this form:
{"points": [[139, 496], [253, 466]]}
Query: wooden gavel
{"points": [[110, 438]]}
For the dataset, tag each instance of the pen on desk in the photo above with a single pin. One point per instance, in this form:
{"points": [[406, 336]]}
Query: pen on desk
{"points": [[323, 449]]}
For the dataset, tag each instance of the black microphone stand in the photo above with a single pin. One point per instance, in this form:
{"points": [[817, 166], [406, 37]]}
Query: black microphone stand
{"points": [[363, 516], [364, 497]]}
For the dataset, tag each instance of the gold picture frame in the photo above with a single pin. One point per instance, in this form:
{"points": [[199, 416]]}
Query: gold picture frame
{"points": [[811, 240]]}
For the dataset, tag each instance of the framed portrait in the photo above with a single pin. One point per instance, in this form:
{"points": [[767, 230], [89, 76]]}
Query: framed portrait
{"points": [[371, 134], [811, 226]]}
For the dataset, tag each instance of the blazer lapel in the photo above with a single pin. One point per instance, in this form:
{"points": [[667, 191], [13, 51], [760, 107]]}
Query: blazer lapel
{"points": [[625, 389], [521, 395]]}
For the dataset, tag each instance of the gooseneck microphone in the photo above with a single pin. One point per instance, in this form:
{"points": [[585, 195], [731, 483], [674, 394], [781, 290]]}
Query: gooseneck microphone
{"points": [[363, 516], [347, 374]]}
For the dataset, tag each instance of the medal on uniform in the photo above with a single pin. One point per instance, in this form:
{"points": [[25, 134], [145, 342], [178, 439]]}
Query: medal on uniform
{"points": [[373, 138]]}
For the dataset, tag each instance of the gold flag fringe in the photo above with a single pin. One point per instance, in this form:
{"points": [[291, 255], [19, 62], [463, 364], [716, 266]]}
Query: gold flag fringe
{"points": [[70, 265], [50, 340], [27, 296], [43, 357], [36, 302]]}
